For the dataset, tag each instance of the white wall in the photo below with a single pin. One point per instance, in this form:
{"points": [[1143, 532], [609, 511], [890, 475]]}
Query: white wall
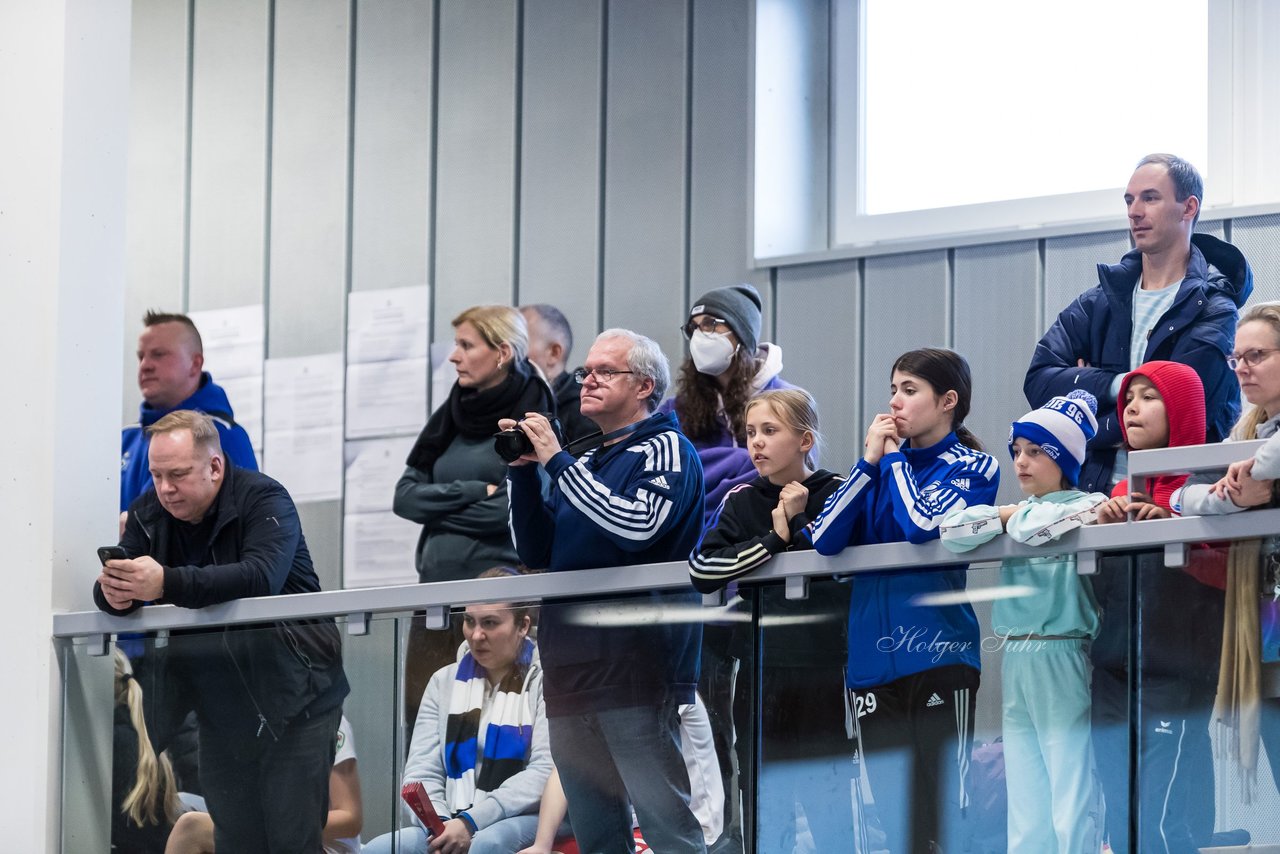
{"points": [[62, 266]]}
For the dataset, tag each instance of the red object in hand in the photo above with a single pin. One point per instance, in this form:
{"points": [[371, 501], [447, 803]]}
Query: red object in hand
{"points": [[415, 795]]}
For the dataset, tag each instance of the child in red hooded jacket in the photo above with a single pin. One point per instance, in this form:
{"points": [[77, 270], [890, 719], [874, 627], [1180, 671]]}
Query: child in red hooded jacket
{"points": [[1161, 405]]}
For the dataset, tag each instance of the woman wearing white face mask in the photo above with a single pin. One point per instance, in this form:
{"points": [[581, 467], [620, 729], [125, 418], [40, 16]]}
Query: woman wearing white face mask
{"points": [[727, 366]]}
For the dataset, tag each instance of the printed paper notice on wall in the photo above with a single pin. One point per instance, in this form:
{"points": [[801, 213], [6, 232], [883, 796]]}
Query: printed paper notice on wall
{"points": [[373, 468], [234, 342], [387, 325], [303, 415], [378, 550], [443, 373], [304, 393], [386, 398], [245, 394], [307, 462]]}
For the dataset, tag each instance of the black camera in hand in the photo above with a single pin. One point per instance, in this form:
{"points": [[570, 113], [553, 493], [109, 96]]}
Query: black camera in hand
{"points": [[513, 444]]}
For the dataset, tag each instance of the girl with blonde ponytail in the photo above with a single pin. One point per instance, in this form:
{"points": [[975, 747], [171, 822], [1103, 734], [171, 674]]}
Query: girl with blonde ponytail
{"points": [[144, 796]]}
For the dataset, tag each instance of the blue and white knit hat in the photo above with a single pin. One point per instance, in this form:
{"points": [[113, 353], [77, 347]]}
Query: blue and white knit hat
{"points": [[1062, 428]]}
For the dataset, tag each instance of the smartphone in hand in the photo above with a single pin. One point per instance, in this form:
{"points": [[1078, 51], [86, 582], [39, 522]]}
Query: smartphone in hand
{"points": [[106, 553], [415, 795]]}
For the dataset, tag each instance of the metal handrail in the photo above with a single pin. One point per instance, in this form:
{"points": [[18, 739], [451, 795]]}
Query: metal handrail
{"points": [[359, 605], [1191, 458]]}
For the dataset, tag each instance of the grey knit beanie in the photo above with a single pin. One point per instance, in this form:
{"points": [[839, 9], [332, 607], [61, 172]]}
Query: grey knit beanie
{"points": [[740, 306]]}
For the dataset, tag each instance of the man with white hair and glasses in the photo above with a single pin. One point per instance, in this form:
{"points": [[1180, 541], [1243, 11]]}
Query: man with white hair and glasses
{"points": [[613, 691]]}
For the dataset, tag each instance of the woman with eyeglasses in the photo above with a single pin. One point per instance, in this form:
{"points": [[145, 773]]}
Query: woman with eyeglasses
{"points": [[454, 483], [726, 367], [1248, 696], [1247, 483]]}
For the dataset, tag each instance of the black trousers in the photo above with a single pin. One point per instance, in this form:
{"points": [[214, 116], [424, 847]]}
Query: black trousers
{"points": [[277, 801], [916, 737]]}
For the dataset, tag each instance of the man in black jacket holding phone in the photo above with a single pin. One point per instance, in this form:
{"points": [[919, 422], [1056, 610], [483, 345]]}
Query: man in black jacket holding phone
{"points": [[268, 698]]}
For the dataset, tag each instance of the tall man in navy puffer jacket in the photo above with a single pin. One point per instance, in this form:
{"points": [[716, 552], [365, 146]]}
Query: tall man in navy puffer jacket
{"points": [[1175, 296], [615, 673]]}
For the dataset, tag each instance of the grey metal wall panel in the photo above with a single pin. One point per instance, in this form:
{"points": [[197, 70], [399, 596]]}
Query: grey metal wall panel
{"points": [[994, 328], [391, 144], [719, 132], [308, 241], [322, 526], [1258, 238], [645, 212], [1070, 268], [818, 326], [475, 157], [1215, 227], [768, 298], [904, 307], [157, 178], [229, 152], [561, 76]]}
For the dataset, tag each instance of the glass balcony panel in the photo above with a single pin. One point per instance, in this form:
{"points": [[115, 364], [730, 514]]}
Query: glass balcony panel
{"points": [[215, 701], [1203, 701], [776, 757]]}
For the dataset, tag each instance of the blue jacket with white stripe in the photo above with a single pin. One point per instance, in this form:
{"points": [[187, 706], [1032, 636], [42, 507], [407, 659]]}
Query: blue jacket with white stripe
{"points": [[635, 502], [904, 499]]}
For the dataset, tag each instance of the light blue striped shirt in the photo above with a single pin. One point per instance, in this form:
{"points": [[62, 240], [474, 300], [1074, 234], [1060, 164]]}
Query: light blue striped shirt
{"points": [[1148, 308]]}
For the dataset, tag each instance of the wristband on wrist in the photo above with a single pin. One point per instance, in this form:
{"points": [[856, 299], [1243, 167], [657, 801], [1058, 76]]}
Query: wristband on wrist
{"points": [[470, 822]]}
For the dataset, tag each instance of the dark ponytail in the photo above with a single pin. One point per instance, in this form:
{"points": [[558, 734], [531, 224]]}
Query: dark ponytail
{"points": [[966, 437], [944, 370]]}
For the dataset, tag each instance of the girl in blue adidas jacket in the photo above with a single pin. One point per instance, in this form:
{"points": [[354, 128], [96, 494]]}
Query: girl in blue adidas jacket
{"points": [[913, 667]]}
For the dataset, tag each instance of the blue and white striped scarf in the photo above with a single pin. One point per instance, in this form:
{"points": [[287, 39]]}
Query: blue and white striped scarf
{"points": [[507, 737]]}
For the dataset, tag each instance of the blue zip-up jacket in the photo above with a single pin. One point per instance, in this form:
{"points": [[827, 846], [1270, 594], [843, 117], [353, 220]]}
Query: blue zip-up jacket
{"points": [[209, 398], [638, 501], [904, 499], [1198, 330]]}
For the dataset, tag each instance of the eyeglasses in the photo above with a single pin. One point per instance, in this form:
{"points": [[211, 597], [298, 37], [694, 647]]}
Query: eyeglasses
{"points": [[604, 376], [708, 324], [1249, 358]]}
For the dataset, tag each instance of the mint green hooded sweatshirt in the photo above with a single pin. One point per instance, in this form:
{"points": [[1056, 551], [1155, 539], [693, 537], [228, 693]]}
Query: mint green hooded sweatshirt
{"points": [[1056, 601]]}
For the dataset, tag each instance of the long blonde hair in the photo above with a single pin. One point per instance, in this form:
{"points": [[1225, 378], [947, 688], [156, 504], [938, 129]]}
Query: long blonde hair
{"points": [[154, 789], [1247, 427], [798, 410]]}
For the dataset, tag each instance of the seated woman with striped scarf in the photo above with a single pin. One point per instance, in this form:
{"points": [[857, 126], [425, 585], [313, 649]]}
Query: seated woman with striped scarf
{"points": [[480, 743]]}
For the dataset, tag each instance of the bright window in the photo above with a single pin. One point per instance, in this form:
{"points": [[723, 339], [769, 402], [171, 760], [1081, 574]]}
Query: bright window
{"points": [[991, 100], [890, 125]]}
